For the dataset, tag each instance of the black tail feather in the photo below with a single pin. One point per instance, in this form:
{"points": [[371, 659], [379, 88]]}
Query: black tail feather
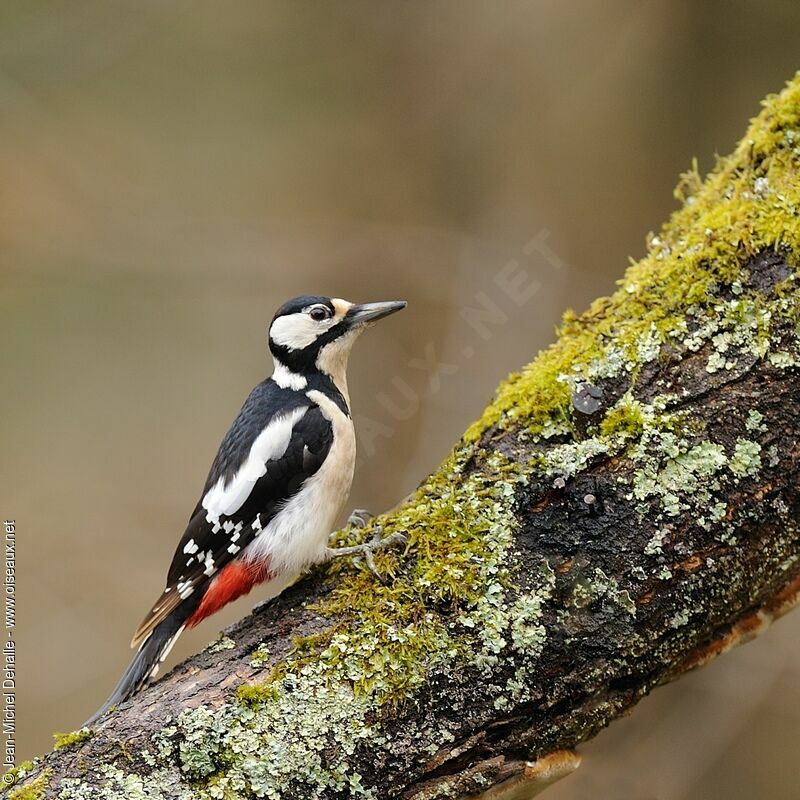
{"points": [[141, 668]]}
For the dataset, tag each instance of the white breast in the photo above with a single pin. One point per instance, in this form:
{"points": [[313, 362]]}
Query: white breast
{"points": [[298, 535]]}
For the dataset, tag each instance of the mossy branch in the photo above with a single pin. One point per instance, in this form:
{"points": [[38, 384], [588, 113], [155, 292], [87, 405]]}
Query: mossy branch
{"points": [[566, 559]]}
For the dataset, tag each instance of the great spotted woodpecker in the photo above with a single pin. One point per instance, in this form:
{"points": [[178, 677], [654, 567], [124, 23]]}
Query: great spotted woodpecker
{"points": [[277, 485]]}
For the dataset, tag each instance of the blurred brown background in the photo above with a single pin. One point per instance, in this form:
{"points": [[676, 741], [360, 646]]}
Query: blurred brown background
{"points": [[171, 172]]}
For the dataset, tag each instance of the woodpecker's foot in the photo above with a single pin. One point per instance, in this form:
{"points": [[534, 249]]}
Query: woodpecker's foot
{"points": [[368, 549], [359, 517]]}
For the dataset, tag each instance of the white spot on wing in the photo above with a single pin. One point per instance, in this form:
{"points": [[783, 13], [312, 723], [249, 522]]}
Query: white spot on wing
{"points": [[224, 500]]}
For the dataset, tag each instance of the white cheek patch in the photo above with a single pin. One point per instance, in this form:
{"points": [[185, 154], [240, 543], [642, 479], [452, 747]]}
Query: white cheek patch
{"points": [[222, 500], [295, 331]]}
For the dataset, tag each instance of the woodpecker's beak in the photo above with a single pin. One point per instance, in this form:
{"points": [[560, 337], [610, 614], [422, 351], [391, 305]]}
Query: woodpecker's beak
{"points": [[363, 313]]}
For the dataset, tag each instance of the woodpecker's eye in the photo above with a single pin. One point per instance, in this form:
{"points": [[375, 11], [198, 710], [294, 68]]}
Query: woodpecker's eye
{"points": [[319, 313]]}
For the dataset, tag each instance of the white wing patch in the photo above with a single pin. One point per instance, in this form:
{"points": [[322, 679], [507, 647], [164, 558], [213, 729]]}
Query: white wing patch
{"points": [[298, 535], [223, 500]]}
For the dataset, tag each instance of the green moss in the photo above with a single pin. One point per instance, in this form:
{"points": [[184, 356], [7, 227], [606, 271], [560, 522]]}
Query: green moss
{"points": [[16, 774], [450, 534], [35, 790], [748, 204], [256, 694], [62, 740], [625, 419]]}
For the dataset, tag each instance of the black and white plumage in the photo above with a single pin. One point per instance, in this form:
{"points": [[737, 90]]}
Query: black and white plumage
{"points": [[277, 484]]}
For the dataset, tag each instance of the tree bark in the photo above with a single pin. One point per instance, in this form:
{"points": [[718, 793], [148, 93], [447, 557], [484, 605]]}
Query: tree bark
{"points": [[625, 510]]}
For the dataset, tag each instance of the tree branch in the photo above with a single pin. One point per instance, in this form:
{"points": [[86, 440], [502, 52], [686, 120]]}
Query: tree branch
{"points": [[625, 510]]}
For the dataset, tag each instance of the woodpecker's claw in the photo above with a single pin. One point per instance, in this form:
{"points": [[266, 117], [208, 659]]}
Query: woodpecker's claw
{"points": [[368, 549], [359, 517]]}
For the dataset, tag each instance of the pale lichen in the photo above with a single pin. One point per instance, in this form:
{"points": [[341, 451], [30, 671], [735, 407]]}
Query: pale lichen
{"points": [[746, 458], [675, 471], [113, 783], [260, 657], [755, 421], [222, 643], [599, 586]]}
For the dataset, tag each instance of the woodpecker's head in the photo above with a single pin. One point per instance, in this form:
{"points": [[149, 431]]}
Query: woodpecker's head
{"points": [[316, 333]]}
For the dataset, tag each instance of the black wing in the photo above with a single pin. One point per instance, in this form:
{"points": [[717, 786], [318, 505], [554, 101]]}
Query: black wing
{"points": [[211, 541]]}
